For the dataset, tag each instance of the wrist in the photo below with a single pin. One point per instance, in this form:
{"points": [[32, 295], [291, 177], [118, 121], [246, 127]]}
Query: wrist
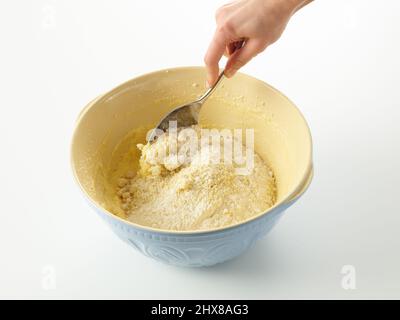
{"points": [[298, 4], [290, 6]]}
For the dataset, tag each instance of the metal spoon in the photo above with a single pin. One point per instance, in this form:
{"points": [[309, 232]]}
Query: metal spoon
{"points": [[186, 115]]}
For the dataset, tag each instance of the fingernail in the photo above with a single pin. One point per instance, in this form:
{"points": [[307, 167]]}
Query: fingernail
{"points": [[208, 84], [229, 73]]}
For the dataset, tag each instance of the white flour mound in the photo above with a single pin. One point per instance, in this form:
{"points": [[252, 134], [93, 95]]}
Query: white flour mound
{"points": [[192, 195]]}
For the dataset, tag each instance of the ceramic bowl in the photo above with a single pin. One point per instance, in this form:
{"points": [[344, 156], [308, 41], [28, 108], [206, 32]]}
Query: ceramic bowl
{"points": [[282, 138]]}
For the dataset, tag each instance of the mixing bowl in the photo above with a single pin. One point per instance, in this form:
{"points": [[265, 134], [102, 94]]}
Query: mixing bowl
{"points": [[282, 138]]}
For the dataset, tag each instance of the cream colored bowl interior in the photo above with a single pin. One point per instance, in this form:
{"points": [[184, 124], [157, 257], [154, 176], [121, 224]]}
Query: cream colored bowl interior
{"points": [[282, 137]]}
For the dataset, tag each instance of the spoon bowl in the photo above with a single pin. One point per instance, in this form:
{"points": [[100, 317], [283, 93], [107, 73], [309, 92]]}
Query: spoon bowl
{"points": [[186, 115]]}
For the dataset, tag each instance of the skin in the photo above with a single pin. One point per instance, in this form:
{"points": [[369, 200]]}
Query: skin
{"points": [[244, 29]]}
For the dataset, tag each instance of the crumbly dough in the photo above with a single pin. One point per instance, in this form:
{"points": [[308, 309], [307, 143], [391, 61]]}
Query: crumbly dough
{"points": [[185, 192]]}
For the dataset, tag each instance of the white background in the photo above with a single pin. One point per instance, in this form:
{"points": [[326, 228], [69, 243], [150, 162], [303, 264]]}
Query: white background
{"points": [[338, 61]]}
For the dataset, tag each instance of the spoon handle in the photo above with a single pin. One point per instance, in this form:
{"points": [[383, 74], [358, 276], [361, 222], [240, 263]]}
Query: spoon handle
{"points": [[235, 46], [204, 97]]}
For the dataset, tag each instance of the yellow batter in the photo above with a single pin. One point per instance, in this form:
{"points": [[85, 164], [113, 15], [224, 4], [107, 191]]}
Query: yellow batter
{"points": [[187, 190]]}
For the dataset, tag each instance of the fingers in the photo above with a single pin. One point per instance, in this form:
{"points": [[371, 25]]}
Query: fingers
{"points": [[231, 48], [242, 56], [213, 55], [236, 45]]}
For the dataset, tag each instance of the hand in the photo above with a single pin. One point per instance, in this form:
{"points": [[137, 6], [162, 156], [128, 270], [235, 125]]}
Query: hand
{"points": [[255, 24]]}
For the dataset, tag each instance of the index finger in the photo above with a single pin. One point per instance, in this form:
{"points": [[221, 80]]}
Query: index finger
{"points": [[214, 53]]}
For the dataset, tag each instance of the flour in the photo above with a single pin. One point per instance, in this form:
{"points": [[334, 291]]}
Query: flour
{"points": [[181, 188]]}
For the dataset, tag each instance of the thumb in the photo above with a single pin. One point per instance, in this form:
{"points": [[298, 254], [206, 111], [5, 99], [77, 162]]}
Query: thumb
{"points": [[241, 56]]}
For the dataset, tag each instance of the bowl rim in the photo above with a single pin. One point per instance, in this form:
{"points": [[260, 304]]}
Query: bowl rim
{"points": [[289, 199]]}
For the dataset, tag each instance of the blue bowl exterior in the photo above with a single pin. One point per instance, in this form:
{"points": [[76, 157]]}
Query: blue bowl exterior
{"points": [[194, 249]]}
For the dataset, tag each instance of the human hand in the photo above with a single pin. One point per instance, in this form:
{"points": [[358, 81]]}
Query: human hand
{"points": [[244, 29]]}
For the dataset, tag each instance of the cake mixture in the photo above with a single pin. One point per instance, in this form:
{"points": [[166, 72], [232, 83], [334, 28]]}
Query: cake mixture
{"points": [[181, 185]]}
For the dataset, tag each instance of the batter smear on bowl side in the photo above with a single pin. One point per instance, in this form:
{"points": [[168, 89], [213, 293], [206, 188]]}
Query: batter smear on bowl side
{"points": [[185, 183]]}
